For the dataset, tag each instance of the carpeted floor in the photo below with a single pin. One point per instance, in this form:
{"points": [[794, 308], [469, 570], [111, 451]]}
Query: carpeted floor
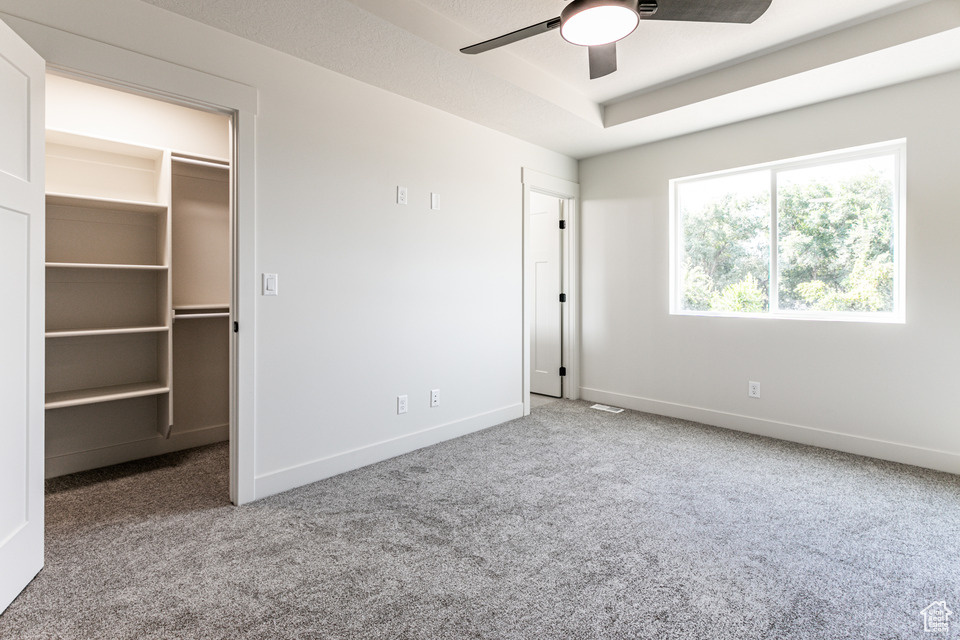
{"points": [[570, 523], [537, 401]]}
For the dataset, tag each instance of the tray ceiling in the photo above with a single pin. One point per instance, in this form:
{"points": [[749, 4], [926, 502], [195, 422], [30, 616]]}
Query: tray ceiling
{"points": [[673, 78]]}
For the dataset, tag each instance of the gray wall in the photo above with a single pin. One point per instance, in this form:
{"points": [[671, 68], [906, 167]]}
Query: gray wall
{"points": [[887, 390], [375, 299]]}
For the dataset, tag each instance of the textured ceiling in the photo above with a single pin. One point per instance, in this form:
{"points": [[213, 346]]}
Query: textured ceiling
{"points": [[658, 52], [673, 78]]}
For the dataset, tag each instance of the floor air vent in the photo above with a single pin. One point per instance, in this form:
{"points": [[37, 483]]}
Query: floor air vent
{"points": [[607, 408]]}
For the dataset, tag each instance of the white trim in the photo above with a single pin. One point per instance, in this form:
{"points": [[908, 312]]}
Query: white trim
{"points": [[773, 262], [303, 474], [132, 71], [819, 316], [673, 248], [900, 232], [859, 445], [570, 192], [243, 426], [113, 66]]}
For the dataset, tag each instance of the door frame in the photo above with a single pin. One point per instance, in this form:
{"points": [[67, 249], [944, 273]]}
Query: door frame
{"points": [[569, 192], [99, 63]]}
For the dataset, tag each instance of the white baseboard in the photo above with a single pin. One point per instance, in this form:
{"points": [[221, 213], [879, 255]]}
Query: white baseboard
{"points": [[114, 454], [302, 474], [860, 445]]}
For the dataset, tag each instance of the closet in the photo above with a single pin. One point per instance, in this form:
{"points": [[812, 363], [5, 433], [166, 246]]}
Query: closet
{"points": [[138, 239]]}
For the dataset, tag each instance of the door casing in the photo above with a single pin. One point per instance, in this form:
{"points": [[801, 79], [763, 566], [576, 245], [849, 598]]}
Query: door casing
{"points": [[570, 192]]}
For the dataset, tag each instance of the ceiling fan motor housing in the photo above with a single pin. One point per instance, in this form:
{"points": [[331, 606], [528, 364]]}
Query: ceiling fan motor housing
{"points": [[596, 22]]}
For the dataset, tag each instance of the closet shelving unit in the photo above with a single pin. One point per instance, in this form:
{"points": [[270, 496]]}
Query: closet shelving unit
{"points": [[111, 302], [201, 305]]}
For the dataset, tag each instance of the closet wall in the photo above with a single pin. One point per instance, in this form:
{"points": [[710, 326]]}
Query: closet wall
{"points": [[138, 277], [200, 197]]}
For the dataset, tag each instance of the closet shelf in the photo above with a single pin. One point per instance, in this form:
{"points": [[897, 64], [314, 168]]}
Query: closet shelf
{"points": [[133, 206], [192, 316], [131, 231], [203, 307], [73, 333], [213, 163], [104, 265], [96, 395]]}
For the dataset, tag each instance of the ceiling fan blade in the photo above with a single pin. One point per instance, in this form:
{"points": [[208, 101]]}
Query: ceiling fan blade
{"points": [[603, 60], [513, 36], [740, 11]]}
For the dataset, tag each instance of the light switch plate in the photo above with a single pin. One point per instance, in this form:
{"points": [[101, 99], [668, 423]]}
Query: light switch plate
{"points": [[270, 284], [435, 201]]}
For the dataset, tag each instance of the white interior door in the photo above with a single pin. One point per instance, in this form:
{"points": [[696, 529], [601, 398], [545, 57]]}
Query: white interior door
{"points": [[545, 328], [21, 321]]}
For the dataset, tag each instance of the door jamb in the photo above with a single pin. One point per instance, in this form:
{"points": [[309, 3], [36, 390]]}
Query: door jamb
{"points": [[112, 66], [569, 192]]}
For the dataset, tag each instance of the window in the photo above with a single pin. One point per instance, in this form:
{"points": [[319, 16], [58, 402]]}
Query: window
{"points": [[815, 237]]}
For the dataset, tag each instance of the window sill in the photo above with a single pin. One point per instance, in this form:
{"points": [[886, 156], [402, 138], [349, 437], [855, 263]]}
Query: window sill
{"points": [[882, 318]]}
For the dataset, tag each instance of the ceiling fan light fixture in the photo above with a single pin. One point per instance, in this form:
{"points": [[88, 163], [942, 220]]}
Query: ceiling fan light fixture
{"points": [[595, 22]]}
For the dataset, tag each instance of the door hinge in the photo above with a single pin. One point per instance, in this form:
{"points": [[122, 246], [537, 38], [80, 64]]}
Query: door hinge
{"points": [[563, 371], [563, 224], [236, 326], [563, 297]]}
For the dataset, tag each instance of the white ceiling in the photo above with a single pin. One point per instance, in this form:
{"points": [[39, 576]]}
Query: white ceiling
{"points": [[673, 78], [659, 51]]}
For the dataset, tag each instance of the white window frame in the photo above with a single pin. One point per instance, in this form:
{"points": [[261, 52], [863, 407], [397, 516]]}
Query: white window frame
{"points": [[897, 148]]}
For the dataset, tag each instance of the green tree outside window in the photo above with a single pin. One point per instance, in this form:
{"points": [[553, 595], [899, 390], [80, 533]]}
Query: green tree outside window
{"points": [[835, 237]]}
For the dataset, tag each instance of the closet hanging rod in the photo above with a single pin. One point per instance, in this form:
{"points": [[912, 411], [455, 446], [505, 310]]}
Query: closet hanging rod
{"points": [[187, 316], [201, 163], [193, 307]]}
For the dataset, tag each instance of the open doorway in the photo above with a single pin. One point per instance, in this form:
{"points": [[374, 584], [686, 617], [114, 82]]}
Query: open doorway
{"points": [[27, 52], [140, 276], [550, 291]]}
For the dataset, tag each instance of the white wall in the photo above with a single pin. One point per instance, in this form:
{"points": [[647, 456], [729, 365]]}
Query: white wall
{"points": [[887, 390], [375, 299], [91, 110]]}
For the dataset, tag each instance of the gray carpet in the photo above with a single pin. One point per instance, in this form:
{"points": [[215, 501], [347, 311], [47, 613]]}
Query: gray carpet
{"points": [[537, 400], [570, 523]]}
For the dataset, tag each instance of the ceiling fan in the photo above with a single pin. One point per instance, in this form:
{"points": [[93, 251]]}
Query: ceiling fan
{"points": [[599, 24]]}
